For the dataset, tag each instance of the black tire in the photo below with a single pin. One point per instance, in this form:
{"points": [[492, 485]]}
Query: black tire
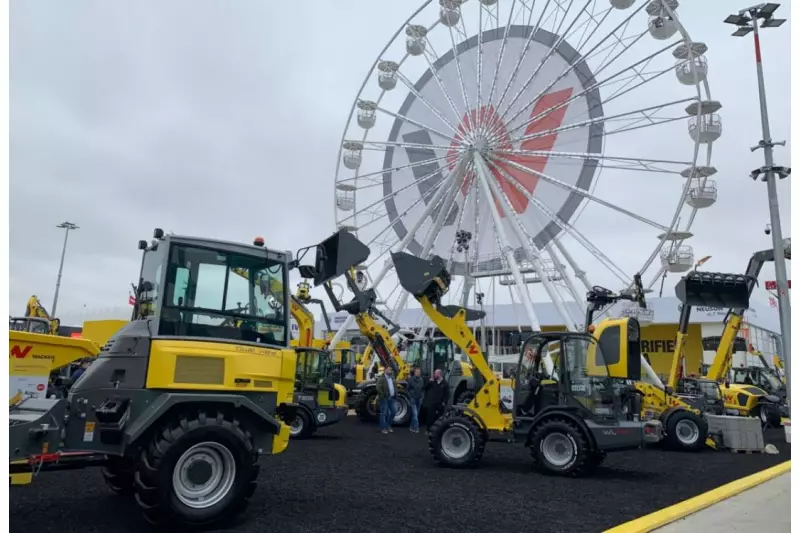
{"points": [[579, 457], [685, 431], [118, 475], [769, 414], [465, 397], [454, 429], [596, 459], [302, 427], [367, 408], [403, 417], [153, 480]]}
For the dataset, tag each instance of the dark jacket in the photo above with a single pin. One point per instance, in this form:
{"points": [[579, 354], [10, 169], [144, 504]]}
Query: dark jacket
{"points": [[383, 386], [437, 393], [415, 387]]}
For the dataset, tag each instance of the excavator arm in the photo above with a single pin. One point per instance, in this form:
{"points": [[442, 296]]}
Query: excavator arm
{"points": [[34, 308]]}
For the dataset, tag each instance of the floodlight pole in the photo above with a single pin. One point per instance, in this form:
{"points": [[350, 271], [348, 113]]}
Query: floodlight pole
{"points": [[784, 306], [65, 226]]}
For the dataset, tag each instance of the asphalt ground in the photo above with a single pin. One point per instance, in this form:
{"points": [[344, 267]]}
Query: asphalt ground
{"points": [[349, 477]]}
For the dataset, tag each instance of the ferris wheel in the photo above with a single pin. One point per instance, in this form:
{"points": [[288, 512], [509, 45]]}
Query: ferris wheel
{"points": [[543, 146]]}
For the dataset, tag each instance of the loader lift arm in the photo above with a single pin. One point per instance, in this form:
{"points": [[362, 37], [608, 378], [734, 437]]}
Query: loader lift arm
{"points": [[342, 252], [427, 285], [721, 366]]}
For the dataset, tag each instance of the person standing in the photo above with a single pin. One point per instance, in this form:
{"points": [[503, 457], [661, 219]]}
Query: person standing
{"points": [[387, 393], [437, 394], [416, 390]]}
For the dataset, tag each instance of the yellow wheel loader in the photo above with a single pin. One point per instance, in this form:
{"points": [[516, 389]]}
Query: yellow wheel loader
{"points": [[685, 427], [743, 396], [182, 401], [569, 415]]}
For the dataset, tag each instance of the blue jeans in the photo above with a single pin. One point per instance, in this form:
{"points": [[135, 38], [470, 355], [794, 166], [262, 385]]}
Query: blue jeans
{"points": [[388, 412], [416, 405]]}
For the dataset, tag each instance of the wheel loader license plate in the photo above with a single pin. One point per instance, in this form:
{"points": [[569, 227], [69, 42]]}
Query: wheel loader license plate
{"points": [[88, 432]]}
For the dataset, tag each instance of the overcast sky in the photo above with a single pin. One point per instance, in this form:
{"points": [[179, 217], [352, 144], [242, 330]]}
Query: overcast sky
{"points": [[223, 119]]}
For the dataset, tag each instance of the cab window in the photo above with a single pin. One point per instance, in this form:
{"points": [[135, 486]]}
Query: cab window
{"points": [[224, 295]]}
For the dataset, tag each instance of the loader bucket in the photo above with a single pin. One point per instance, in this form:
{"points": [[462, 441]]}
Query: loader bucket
{"points": [[337, 254], [715, 289], [422, 277]]}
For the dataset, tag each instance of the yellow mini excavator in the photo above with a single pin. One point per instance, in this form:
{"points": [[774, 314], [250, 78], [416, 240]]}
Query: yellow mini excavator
{"points": [[36, 319]]}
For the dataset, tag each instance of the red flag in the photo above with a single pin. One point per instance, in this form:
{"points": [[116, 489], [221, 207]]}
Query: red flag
{"points": [[131, 300]]}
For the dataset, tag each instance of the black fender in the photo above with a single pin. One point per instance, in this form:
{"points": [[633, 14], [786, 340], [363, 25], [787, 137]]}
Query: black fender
{"points": [[464, 384], [467, 411], [561, 411], [366, 385], [668, 413], [166, 401], [309, 412]]}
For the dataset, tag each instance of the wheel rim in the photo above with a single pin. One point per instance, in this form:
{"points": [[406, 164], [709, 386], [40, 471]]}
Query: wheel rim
{"points": [[456, 443], [763, 414], [558, 449], [401, 407], [204, 475], [687, 431], [297, 426]]}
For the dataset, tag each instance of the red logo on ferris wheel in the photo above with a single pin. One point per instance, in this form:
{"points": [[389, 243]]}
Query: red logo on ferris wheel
{"points": [[550, 113]]}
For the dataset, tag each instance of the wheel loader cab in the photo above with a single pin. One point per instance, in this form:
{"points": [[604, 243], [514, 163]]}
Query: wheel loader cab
{"points": [[581, 378]]}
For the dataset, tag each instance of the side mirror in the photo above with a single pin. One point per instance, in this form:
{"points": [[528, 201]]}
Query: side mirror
{"points": [[727, 384], [669, 390]]}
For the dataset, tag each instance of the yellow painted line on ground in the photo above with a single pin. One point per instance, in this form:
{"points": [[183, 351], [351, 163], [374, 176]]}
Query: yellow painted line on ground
{"points": [[692, 505]]}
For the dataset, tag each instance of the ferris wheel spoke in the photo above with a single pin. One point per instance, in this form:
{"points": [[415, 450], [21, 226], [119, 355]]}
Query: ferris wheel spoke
{"points": [[579, 191], [442, 215], [429, 190], [501, 53], [421, 163], [479, 80], [525, 240], [506, 248], [601, 120], [544, 59], [565, 226], [467, 107], [629, 127], [525, 49], [591, 89], [570, 69], [640, 162], [382, 145], [417, 124], [426, 103], [436, 198]]}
